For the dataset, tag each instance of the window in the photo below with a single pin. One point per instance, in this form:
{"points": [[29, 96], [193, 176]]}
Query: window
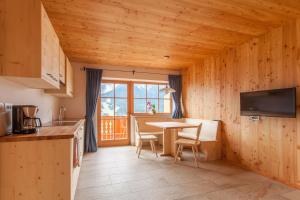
{"points": [[150, 92]]}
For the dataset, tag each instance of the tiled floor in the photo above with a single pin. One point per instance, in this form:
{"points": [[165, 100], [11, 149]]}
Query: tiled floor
{"points": [[117, 173]]}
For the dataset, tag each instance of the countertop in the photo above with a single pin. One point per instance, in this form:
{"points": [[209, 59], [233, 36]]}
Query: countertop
{"points": [[46, 133]]}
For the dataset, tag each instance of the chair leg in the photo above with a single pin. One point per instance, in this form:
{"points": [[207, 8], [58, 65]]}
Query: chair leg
{"points": [[181, 150], [138, 146], [151, 145], [195, 157], [177, 153], [141, 145], [154, 149], [198, 153], [194, 154]]}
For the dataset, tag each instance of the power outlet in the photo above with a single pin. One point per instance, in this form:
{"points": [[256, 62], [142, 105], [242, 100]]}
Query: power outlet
{"points": [[2, 107], [5, 118]]}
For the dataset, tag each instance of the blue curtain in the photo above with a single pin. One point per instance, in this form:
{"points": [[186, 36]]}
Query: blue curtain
{"points": [[93, 83], [175, 82]]}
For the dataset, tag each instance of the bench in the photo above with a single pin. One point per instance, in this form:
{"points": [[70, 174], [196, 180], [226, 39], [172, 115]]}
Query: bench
{"points": [[210, 137]]}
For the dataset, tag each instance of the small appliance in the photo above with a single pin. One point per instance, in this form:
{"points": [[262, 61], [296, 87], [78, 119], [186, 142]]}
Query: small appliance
{"points": [[25, 120], [5, 119]]}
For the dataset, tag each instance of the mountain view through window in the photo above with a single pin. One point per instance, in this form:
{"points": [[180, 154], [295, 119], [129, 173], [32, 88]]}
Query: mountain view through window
{"points": [[144, 93], [114, 98]]}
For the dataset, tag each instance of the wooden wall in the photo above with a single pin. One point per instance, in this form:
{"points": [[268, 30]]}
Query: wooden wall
{"points": [[211, 90]]}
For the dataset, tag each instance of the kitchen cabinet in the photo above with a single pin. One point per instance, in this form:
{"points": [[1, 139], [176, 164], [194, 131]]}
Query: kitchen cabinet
{"points": [[67, 89], [62, 66], [76, 170], [29, 47], [70, 78], [41, 166]]}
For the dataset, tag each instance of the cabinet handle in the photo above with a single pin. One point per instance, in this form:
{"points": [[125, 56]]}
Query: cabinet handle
{"points": [[52, 77], [55, 79]]}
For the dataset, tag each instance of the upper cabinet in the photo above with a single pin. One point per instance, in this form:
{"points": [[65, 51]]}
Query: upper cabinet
{"points": [[70, 79], [62, 66], [29, 46], [66, 89]]}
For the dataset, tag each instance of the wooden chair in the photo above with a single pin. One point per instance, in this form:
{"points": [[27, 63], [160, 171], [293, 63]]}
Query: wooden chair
{"points": [[194, 143], [210, 137], [146, 137]]}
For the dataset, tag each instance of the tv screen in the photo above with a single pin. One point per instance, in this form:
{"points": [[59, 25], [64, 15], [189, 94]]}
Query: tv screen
{"points": [[272, 103]]}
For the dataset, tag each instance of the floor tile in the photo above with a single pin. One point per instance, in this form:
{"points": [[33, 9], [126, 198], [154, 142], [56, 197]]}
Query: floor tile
{"points": [[117, 174], [293, 195]]}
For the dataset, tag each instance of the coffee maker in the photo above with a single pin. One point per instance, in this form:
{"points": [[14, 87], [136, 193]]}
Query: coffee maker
{"points": [[24, 120]]}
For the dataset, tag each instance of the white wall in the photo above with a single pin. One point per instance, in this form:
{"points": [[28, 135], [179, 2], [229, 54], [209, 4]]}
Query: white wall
{"points": [[76, 106], [11, 92]]}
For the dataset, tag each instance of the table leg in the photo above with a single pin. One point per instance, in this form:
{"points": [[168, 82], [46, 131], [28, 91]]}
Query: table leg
{"points": [[166, 143], [169, 146], [174, 136]]}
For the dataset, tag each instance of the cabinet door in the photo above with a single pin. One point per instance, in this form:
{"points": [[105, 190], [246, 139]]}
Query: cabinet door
{"points": [[81, 142], [50, 51], [75, 174], [62, 66], [70, 78], [66, 90]]}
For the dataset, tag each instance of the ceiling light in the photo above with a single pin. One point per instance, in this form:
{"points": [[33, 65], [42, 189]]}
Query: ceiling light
{"points": [[167, 90]]}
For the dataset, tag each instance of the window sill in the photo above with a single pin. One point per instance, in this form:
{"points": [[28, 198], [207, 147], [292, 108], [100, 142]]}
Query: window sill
{"points": [[151, 115]]}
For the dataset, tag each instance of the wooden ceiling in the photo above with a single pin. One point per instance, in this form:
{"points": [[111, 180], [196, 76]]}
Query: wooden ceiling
{"points": [[161, 33]]}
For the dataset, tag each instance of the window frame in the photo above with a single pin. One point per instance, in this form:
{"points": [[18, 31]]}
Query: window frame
{"points": [[114, 142], [146, 98]]}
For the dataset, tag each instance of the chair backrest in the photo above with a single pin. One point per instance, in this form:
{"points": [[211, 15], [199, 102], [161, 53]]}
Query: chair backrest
{"points": [[210, 129], [137, 129]]}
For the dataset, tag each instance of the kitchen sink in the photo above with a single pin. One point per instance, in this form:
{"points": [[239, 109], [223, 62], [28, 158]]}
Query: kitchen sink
{"points": [[61, 123]]}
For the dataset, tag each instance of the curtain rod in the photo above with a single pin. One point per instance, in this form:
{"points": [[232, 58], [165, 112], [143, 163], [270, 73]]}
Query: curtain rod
{"points": [[132, 71]]}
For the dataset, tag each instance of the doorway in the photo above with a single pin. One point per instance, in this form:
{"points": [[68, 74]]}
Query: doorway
{"points": [[113, 114]]}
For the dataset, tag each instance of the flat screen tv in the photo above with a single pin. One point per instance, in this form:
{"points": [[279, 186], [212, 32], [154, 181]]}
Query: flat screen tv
{"points": [[272, 103]]}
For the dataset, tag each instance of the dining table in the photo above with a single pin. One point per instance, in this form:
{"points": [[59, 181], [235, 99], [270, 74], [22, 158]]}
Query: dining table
{"points": [[170, 134]]}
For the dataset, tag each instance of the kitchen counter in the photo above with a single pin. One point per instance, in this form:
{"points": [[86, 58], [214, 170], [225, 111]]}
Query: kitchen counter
{"points": [[45, 133], [43, 166]]}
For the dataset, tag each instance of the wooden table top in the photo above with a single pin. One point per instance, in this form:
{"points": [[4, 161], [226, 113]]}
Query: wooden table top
{"points": [[45, 133], [170, 125]]}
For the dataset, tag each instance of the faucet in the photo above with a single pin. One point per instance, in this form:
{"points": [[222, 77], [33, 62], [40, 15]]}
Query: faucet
{"points": [[62, 110]]}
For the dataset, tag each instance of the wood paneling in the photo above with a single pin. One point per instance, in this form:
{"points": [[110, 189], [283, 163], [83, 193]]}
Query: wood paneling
{"points": [[211, 91], [142, 32]]}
